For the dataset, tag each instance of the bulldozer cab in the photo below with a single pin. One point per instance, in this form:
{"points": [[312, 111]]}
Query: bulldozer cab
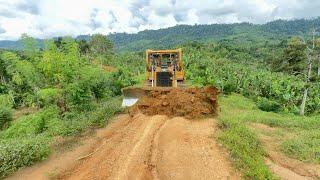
{"points": [[164, 68]]}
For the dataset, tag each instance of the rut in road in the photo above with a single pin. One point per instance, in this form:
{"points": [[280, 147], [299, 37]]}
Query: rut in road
{"points": [[155, 147]]}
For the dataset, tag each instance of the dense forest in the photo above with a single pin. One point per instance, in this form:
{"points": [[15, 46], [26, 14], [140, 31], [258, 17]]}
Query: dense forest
{"points": [[169, 37], [60, 87]]}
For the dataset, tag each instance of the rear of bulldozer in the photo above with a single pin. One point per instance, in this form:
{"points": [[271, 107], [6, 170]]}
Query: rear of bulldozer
{"points": [[165, 90]]}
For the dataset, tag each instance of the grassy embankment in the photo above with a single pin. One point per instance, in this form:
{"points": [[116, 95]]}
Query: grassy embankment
{"points": [[247, 151], [30, 138]]}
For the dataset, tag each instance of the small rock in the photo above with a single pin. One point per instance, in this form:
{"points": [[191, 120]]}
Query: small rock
{"points": [[165, 103]]}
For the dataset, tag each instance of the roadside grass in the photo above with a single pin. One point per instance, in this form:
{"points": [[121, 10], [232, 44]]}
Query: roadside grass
{"points": [[244, 145], [304, 146], [29, 138]]}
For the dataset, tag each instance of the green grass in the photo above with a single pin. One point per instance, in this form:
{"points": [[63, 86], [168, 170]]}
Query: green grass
{"points": [[28, 138], [244, 145], [304, 146]]}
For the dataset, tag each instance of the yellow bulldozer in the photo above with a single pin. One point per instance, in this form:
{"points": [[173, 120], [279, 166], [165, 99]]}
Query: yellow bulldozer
{"points": [[165, 91], [164, 71]]}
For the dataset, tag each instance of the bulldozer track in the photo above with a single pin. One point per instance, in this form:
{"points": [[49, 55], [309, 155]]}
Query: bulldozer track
{"points": [[153, 151]]}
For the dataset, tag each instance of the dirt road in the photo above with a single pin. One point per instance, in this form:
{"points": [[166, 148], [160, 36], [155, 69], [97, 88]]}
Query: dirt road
{"points": [[143, 147]]}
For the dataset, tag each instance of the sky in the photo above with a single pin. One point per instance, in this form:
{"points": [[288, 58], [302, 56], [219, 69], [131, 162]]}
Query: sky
{"points": [[52, 18]]}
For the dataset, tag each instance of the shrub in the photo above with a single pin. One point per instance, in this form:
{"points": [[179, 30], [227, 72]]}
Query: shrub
{"points": [[20, 152], [6, 100], [49, 96], [92, 84], [5, 117], [44, 121], [76, 122], [78, 95], [29, 99], [106, 111], [268, 105]]}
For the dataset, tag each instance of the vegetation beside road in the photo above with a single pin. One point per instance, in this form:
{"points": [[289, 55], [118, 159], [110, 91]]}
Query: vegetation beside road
{"points": [[69, 91], [246, 149]]}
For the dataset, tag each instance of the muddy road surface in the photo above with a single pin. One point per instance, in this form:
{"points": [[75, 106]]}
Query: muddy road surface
{"points": [[142, 147]]}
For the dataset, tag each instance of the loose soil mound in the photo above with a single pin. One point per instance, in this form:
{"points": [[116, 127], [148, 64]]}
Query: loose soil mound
{"points": [[188, 102]]}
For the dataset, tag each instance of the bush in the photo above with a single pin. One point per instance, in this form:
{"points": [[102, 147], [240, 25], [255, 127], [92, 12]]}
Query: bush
{"points": [[106, 111], [45, 121], [268, 105], [76, 122], [20, 152], [5, 117], [92, 84], [79, 95], [29, 99], [6, 100], [49, 96]]}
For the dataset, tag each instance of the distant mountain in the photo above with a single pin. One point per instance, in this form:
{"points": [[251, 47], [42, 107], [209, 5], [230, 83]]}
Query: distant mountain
{"points": [[17, 45], [169, 37], [6, 44], [165, 38]]}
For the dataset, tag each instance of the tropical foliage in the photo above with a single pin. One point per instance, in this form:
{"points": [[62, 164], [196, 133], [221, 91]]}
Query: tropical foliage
{"points": [[69, 90]]}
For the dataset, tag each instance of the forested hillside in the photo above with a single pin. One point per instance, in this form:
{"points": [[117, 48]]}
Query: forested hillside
{"points": [[165, 38], [169, 37]]}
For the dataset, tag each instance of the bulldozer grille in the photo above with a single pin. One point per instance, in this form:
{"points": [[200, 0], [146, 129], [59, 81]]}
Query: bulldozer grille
{"points": [[164, 79]]}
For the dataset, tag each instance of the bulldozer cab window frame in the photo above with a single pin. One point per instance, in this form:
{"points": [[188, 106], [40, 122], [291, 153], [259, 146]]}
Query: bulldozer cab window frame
{"points": [[163, 58], [164, 68]]}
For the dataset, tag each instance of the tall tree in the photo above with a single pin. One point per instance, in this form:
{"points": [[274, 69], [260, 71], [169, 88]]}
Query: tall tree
{"points": [[317, 51], [295, 56], [83, 46], [310, 55], [29, 46], [101, 47]]}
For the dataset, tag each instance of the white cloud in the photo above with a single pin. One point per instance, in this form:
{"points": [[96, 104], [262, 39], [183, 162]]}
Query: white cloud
{"points": [[48, 18]]}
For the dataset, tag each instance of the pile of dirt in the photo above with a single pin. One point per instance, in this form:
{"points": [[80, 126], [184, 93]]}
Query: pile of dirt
{"points": [[187, 102]]}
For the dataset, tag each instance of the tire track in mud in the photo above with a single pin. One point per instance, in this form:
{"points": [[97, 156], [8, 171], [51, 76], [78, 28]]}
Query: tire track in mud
{"points": [[153, 152], [133, 152]]}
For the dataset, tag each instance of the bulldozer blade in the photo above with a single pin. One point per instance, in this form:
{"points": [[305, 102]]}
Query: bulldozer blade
{"points": [[131, 95], [127, 102]]}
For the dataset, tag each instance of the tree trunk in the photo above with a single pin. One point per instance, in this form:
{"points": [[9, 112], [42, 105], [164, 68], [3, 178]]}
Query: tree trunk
{"points": [[305, 94], [319, 66], [304, 100]]}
